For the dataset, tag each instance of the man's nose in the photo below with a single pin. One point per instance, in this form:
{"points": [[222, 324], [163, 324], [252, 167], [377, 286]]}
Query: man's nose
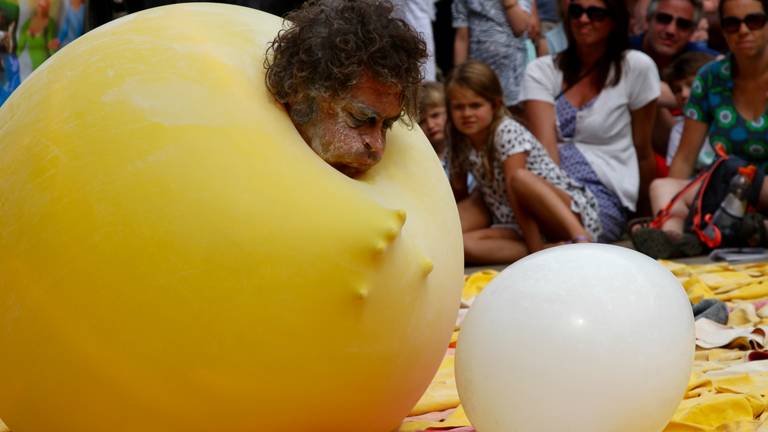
{"points": [[373, 143]]}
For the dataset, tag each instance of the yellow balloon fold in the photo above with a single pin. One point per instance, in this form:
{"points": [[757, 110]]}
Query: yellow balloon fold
{"points": [[173, 256]]}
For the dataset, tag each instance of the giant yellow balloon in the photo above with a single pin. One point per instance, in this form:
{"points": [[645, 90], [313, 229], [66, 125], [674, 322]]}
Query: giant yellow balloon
{"points": [[173, 257]]}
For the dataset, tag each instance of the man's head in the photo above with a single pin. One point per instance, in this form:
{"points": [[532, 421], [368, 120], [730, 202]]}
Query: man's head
{"points": [[670, 26], [346, 70]]}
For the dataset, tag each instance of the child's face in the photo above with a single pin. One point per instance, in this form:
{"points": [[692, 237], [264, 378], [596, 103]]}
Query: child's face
{"points": [[682, 90], [471, 114], [432, 122]]}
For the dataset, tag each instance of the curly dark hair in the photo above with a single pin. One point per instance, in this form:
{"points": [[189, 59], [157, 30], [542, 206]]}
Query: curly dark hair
{"points": [[327, 46]]}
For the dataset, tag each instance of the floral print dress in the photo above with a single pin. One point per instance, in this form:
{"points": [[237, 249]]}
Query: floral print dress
{"points": [[711, 102]]}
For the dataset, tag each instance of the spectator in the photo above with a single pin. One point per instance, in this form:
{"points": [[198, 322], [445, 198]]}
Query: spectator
{"points": [[679, 76], [592, 107], [523, 196], [494, 32], [432, 118], [671, 23], [419, 14], [728, 104], [670, 26]]}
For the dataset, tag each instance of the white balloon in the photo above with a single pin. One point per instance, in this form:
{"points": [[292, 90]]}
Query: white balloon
{"points": [[585, 337]]}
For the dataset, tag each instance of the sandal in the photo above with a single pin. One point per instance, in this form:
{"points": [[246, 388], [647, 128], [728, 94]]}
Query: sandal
{"points": [[658, 244]]}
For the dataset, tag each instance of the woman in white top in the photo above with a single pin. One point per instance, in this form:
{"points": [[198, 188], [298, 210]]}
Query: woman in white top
{"points": [[592, 107]]}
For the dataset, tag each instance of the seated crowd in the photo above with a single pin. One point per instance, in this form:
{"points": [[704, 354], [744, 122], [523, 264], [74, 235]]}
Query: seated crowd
{"points": [[602, 130]]}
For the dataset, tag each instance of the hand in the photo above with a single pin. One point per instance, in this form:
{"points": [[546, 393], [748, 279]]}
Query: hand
{"points": [[534, 30], [509, 4]]}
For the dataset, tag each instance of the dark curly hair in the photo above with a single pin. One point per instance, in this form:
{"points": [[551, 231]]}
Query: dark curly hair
{"points": [[327, 46]]}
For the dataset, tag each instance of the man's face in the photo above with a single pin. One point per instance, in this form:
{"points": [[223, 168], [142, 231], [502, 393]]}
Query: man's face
{"points": [[670, 27], [349, 131]]}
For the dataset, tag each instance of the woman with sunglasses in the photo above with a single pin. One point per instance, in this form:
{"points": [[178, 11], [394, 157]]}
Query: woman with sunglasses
{"points": [[728, 97], [593, 106], [727, 103]]}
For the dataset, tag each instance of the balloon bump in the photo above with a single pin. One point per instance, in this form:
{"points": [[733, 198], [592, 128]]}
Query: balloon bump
{"points": [[175, 258], [581, 338]]}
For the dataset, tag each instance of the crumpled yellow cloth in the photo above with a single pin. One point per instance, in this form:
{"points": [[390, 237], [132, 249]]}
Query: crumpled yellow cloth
{"points": [[722, 281], [725, 392], [442, 393], [474, 283]]}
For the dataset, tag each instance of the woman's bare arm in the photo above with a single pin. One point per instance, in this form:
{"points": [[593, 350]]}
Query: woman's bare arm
{"points": [[461, 45], [540, 117], [517, 17], [694, 133], [642, 127]]}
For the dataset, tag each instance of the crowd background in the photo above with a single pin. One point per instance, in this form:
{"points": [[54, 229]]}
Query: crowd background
{"points": [[559, 120]]}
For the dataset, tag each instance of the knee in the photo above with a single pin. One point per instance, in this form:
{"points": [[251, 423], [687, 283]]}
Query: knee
{"points": [[657, 185], [470, 245]]}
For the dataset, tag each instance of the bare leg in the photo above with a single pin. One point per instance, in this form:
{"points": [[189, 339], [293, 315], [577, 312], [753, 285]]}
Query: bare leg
{"points": [[473, 213], [493, 246], [548, 207], [662, 191]]}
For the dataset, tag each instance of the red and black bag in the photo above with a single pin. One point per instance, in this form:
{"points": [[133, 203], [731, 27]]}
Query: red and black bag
{"points": [[713, 186]]}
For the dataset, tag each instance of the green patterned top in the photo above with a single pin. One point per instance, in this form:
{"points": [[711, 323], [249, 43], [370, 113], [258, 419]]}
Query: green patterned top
{"points": [[711, 102]]}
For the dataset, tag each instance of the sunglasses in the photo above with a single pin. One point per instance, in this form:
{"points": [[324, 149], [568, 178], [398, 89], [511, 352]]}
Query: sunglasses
{"points": [[666, 19], [594, 13], [732, 24]]}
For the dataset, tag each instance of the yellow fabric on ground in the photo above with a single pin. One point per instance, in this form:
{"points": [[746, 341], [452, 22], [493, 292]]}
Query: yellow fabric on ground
{"points": [[717, 399], [457, 419], [442, 393], [475, 283]]}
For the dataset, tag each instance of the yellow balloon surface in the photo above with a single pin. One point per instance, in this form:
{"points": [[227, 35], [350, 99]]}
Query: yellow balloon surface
{"points": [[173, 257]]}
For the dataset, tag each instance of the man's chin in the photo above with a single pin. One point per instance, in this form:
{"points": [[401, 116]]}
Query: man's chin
{"points": [[668, 50]]}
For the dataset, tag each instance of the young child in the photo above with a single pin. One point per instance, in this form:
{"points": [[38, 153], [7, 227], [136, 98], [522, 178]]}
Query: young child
{"points": [[432, 120], [525, 199], [680, 75]]}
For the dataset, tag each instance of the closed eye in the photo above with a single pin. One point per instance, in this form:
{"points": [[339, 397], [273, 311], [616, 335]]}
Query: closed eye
{"points": [[360, 120]]}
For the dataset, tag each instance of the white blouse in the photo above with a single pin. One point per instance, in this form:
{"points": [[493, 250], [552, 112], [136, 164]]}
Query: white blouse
{"points": [[604, 130]]}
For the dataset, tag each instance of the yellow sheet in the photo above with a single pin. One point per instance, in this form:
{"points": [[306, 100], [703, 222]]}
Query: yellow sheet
{"points": [[717, 400]]}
